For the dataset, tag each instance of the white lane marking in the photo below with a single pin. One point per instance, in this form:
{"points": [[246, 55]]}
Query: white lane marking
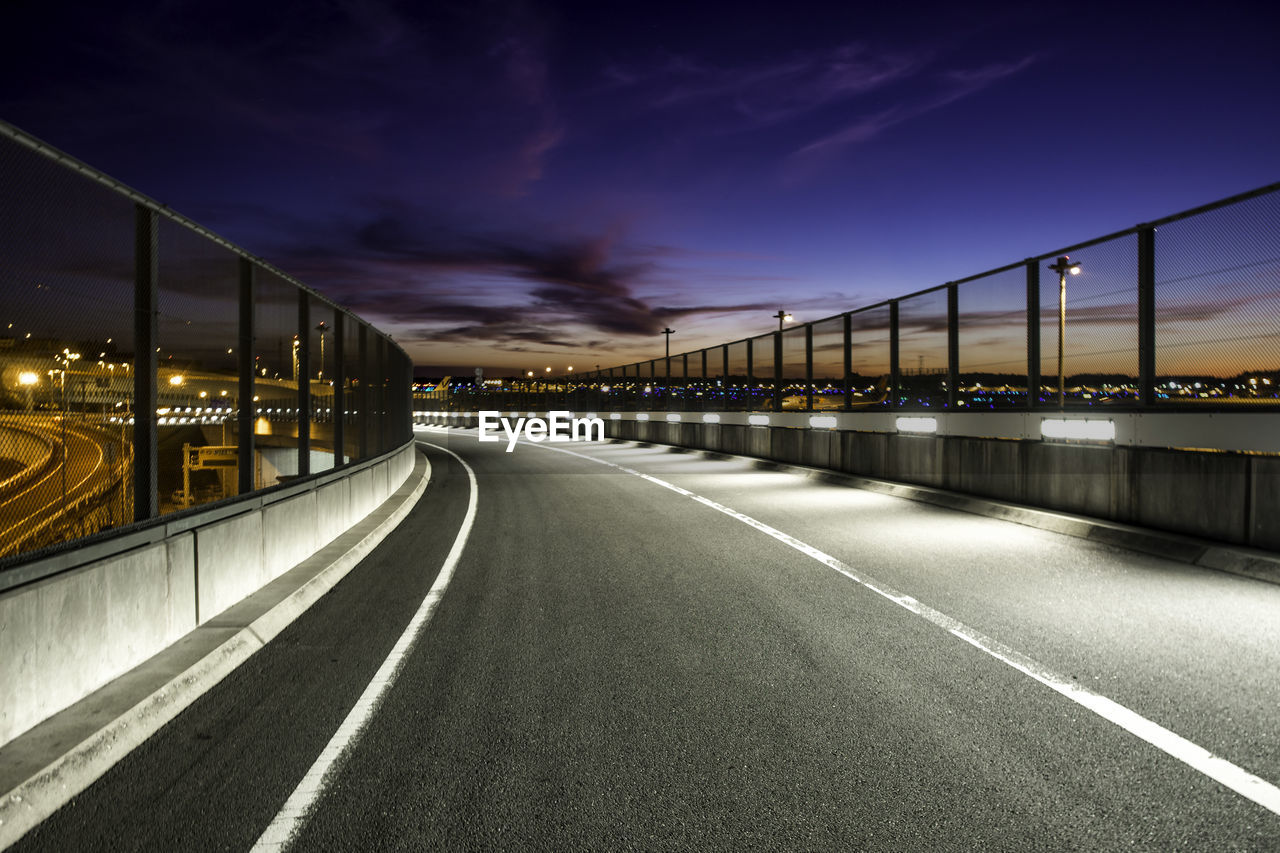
{"points": [[293, 814], [1236, 778]]}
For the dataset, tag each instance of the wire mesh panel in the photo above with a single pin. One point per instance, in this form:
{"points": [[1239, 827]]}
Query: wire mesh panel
{"points": [[275, 380], [320, 382], [66, 353], [763, 374], [1217, 305], [869, 353], [647, 390], [379, 440], [198, 377], [794, 383], [675, 382], [828, 364], [993, 341], [399, 380], [737, 382], [1100, 343], [717, 380], [922, 350], [695, 383], [353, 389]]}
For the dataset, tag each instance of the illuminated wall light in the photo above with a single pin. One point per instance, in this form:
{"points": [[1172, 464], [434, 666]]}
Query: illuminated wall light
{"points": [[758, 420], [615, 417], [822, 422], [642, 416], [921, 425], [591, 416], [710, 419], [1087, 430], [674, 417]]}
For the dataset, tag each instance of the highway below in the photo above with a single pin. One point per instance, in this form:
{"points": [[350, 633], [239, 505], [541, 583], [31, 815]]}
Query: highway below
{"points": [[712, 656], [28, 508]]}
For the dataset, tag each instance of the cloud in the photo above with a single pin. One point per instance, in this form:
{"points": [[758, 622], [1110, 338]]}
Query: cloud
{"points": [[764, 93], [408, 267], [953, 85]]}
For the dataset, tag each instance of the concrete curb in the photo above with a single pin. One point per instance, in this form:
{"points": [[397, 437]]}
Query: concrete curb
{"points": [[1245, 562], [185, 671]]}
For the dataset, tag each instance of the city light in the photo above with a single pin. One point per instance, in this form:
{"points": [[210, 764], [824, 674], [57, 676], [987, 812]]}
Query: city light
{"points": [[175, 379], [28, 377]]}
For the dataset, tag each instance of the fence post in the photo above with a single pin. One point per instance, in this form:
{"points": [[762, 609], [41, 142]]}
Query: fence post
{"points": [[777, 371], [893, 354], [339, 396], [304, 383], [953, 345], [1033, 332], [808, 367], [848, 363], [384, 422], [146, 335], [724, 372], [1147, 316], [362, 393], [245, 456]]}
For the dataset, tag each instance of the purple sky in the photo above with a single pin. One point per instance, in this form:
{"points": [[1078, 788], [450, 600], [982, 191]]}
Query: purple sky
{"points": [[518, 184]]}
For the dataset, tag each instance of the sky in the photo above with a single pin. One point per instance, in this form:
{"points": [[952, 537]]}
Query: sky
{"points": [[512, 185]]}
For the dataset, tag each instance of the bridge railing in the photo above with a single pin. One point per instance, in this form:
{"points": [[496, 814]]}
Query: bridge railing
{"points": [[148, 366], [1180, 314]]}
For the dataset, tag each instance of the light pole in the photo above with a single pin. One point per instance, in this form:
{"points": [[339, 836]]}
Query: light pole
{"points": [[322, 328], [1063, 266], [28, 379], [668, 333], [783, 317]]}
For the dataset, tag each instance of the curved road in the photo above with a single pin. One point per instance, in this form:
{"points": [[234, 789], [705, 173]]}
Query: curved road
{"points": [[42, 498], [760, 662]]}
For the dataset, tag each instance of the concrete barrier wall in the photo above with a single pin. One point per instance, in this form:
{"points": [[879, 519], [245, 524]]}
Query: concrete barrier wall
{"points": [[65, 636], [1227, 496]]}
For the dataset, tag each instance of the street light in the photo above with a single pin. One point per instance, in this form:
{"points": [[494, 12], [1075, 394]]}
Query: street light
{"points": [[322, 328], [783, 317], [1063, 266]]}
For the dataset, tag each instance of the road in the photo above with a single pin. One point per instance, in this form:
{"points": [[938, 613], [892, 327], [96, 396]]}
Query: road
{"points": [[617, 665], [43, 498]]}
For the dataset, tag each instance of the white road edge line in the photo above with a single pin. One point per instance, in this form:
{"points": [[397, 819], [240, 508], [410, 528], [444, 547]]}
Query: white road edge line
{"points": [[1236, 778], [293, 813]]}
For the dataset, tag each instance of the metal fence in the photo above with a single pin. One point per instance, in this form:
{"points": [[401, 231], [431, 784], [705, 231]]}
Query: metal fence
{"points": [[148, 366], [1178, 314]]}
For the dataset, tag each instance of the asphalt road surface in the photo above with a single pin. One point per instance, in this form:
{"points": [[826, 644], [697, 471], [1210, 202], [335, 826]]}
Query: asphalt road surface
{"points": [[615, 665], [43, 497]]}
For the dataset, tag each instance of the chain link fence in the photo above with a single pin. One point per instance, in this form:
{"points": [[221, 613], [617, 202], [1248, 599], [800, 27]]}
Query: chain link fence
{"points": [[1176, 314], [148, 367]]}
